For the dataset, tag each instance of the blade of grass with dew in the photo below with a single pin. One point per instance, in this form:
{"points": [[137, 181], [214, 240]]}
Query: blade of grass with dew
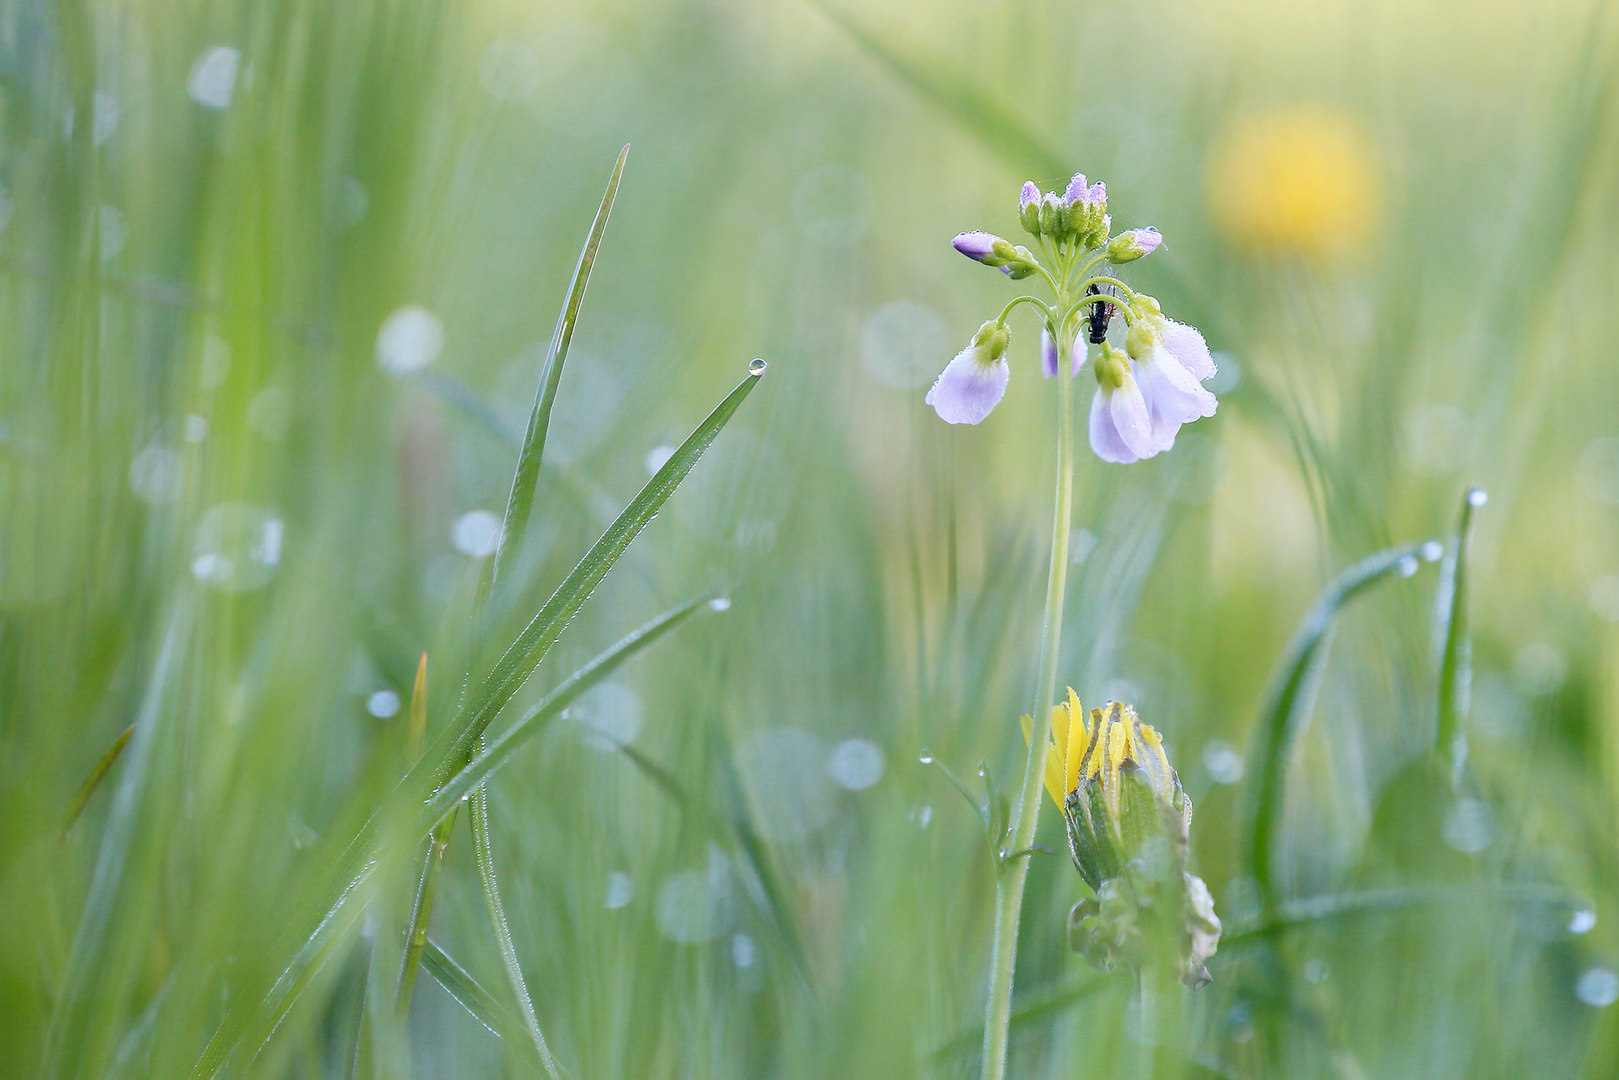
{"points": [[93, 780], [1292, 699], [468, 992], [456, 742], [936, 81], [342, 914], [496, 753], [1455, 660], [485, 859], [521, 498], [421, 908]]}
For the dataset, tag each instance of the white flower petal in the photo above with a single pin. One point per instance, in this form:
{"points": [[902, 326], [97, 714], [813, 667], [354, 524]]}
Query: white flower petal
{"points": [[966, 390], [1173, 396], [1105, 440], [1128, 410], [1186, 344]]}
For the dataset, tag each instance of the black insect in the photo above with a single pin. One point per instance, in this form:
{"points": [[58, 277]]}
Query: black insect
{"points": [[1101, 314]]}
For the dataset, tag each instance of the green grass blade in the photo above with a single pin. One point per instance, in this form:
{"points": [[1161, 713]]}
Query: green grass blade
{"points": [[1317, 909], [455, 745], [521, 498], [1455, 659], [1292, 699], [466, 990], [503, 934], [420, 910], [937, 81], [531, 722], [99, 771]]}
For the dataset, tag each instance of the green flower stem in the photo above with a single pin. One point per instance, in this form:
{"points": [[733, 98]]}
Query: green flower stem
{"points": [[1101, 254], [1015, 872], [1035, 300]]}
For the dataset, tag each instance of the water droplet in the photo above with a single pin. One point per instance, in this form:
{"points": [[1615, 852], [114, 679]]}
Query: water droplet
{"points": [[1432, 551], [409, 340], [657, 457], [743, 953], [1598, 987], [1222, 762], [196, 428], [1539, 669], [1478, 497], [925, 758], [789, 801], [154, 475], [1408, 565], [610, 715], [757, 366], [476, 533], [382, 704], [237, 547], [1581, 921], [693, 907], [509, 70], [620, 890], [903, 345], [212, 82], [1469, 827], [855, 764], [113, 232], [720, 603]]}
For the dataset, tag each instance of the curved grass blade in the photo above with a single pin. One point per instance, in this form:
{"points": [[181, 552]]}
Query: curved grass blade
{"points": [[521, 498], [456, 743], [546, 709], [71, 816], [459, 983], [1292, 698], [421, 908], [1455, 658], [938, 82], [503, 935]]}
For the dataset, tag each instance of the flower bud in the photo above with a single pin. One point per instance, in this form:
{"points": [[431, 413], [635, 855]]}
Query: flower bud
{"points": [[1028, 208], [1131, 244], [1053, 215], [981, 247], [1112, 367], [1087, 211]]}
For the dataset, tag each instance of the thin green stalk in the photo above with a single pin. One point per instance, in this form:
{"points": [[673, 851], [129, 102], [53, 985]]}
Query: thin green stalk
{"points": [[421, 910], [1454, 661], [1015, 872], [503, 934], [92, 781]]}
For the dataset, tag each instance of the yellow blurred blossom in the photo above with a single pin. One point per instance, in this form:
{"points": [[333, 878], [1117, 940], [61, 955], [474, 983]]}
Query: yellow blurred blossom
{"points": [[1300, 181]]}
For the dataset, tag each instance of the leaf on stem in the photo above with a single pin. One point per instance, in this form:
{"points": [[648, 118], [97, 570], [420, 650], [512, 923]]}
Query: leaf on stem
{"points": [[92, 781]]}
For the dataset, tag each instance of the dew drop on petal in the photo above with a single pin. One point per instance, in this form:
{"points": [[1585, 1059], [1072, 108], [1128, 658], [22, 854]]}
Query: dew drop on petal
{"points": [[620, 890], [476, 533], [855, 764], [212, 82], [382, 704], [1597, 987], [409, 340]]}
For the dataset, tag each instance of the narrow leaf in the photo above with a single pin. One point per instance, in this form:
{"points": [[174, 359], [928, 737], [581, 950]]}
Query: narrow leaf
{"points": [[1291, 698], [521, 498], [503, 935], [417, 734], [529, 724], [514, 667], [468, 991], [92, 781], [1455, 659]]}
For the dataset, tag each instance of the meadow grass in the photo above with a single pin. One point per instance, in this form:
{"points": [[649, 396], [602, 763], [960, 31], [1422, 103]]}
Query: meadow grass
{"points": [[280, 288]]}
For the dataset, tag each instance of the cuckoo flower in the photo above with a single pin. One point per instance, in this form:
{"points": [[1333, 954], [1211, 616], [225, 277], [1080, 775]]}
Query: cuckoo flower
{"points": [[1171, 361], [972, 384], [1121, 422]]}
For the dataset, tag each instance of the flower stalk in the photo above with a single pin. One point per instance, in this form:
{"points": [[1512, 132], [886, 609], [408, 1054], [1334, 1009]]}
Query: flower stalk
{"points": [[1015, 873]]}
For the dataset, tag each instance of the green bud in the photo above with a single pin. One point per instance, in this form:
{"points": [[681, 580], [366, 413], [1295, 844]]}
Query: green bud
{"points": [[1111, 367], [999, 340], [1140, 338], [1053, 216], [984, 334], [1003, 250]]}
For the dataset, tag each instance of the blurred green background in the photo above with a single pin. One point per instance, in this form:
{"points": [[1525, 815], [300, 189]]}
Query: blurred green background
{"points": [[275, 283]]}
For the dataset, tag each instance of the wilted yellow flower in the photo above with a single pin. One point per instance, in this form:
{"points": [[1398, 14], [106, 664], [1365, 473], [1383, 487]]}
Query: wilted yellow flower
{"points": [[1297, 181]]}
